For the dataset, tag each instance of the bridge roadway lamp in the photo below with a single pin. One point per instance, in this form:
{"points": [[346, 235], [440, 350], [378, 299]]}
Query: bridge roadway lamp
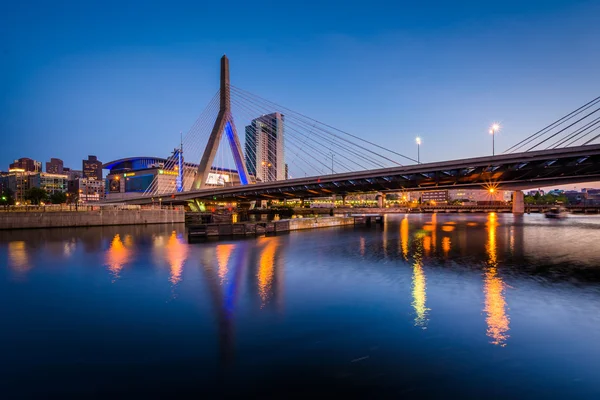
{"points": [[418, 140], [493, 129]]}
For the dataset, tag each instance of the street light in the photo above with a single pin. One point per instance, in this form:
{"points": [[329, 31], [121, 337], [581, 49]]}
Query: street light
{"points": [[418, 140], [493, 129]]}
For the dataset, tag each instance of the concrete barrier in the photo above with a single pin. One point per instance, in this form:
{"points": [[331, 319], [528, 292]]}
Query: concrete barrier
{"points": [[27, 220], [321, 222]]}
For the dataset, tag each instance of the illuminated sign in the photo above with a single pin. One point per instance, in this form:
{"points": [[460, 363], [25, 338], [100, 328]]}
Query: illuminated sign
{"points": [[129, 174], [163, 172], [217, 179]]}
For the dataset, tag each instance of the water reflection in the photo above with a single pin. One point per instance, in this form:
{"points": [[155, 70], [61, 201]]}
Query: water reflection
{"points": [[266, 269], [404, 237], [223, 254], [18, 260], [118, 254], [176, 252], [419, 285], [495, 304], [446, 245]]}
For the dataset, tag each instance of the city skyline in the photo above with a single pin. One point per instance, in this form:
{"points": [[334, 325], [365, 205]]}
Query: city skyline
{"points": [[441, 73]]}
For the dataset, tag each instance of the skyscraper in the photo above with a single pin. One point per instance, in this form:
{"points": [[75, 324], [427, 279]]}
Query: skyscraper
{"points": [[26, 164], [265, 158], [92, 168], [54, 166]]}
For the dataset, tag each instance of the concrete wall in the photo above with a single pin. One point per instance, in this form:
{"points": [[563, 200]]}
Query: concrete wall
{"points": [[320, 222], [61, 219]]}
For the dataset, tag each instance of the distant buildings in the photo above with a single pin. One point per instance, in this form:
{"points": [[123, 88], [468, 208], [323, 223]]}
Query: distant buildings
{"points": [[51, 183], [26, 173], [460, 195], [17, 180], [265, 158], [26, 164], [86, 190], [73, 173], [54, 166], [92, 168], [132, 176]]}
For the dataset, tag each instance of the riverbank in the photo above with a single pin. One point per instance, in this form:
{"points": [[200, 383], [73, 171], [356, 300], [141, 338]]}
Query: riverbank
{"points": [[99, 217]]}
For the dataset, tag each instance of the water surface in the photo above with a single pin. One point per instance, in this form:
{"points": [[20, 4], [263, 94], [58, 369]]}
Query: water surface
{"points": [[428, 305]]}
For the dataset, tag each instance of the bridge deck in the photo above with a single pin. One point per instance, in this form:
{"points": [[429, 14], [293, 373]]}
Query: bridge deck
{"points": [[509, 171]]}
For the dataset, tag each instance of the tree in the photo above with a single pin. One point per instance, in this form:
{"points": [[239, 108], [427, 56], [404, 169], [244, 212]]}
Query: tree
{"points": [[58, 198], [529, 200], [36, 195], [562, 199], [7, 197]]}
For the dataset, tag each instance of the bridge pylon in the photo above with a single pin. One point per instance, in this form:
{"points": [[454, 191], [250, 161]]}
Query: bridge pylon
{"points": [[223, 123]]}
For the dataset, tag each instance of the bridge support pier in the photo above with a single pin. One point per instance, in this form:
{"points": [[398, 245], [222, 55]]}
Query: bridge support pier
{"points": [[343, 200], [518, 205], [380, 199]]}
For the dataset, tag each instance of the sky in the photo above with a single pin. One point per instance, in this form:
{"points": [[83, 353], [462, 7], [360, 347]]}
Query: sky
{"points": [[118, 80]]}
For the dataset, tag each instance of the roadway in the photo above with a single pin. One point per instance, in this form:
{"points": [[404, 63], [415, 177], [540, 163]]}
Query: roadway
{"points": [[507, 171]]}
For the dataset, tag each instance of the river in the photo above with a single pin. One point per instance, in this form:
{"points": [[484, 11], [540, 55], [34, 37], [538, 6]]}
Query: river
{"points": [[431, 305]]}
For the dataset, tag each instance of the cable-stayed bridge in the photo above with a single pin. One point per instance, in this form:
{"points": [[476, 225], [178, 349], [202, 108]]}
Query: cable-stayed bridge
{"points": [[289, 155]]}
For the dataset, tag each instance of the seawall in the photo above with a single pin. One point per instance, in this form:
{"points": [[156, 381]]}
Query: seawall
{"points": [[322, 222], [63, 219]]}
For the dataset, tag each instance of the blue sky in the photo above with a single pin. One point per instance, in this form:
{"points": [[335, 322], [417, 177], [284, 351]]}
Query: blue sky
{"points": [[79, 78]]}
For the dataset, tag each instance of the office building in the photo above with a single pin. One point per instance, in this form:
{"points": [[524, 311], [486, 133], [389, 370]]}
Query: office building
{"points": [[51, 183], [92, 168], [73, 173], [26, 164], [86, 190], [54, 166], [265, 158], [18, 181]]}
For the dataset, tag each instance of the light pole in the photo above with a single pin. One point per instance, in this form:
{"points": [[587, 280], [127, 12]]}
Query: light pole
{"points": [[493, 129], [418, 140]]}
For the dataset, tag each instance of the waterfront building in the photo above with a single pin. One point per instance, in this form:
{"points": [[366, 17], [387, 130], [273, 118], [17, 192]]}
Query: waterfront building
{"points": [[51, 183], [55, 166], [18, 181], [460, 195], [92, 168], [134, 176], [479, 195], [86, 190], [265, 158], [435, 196], [26, 164]]}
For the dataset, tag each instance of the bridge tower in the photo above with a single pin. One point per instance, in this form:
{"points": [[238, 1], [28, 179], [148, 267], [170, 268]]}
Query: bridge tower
{"points": [[224, 122]]}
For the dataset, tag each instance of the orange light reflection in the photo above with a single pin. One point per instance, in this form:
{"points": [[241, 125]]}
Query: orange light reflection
{"points": [[495, 304], [446, 245], [404, 237], [17, 257], [265, 271], [176, 254], [117, 255], [223, 254]]}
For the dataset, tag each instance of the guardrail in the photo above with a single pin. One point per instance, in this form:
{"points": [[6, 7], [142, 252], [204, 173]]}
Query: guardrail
{"points": [[84, 208]]}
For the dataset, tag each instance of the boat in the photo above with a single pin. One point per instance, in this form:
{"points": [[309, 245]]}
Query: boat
{"points": [[556, 213]]}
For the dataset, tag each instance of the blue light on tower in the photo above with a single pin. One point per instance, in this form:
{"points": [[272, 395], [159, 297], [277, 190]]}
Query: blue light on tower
{"points": [[238, 161], [179, 182]]}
